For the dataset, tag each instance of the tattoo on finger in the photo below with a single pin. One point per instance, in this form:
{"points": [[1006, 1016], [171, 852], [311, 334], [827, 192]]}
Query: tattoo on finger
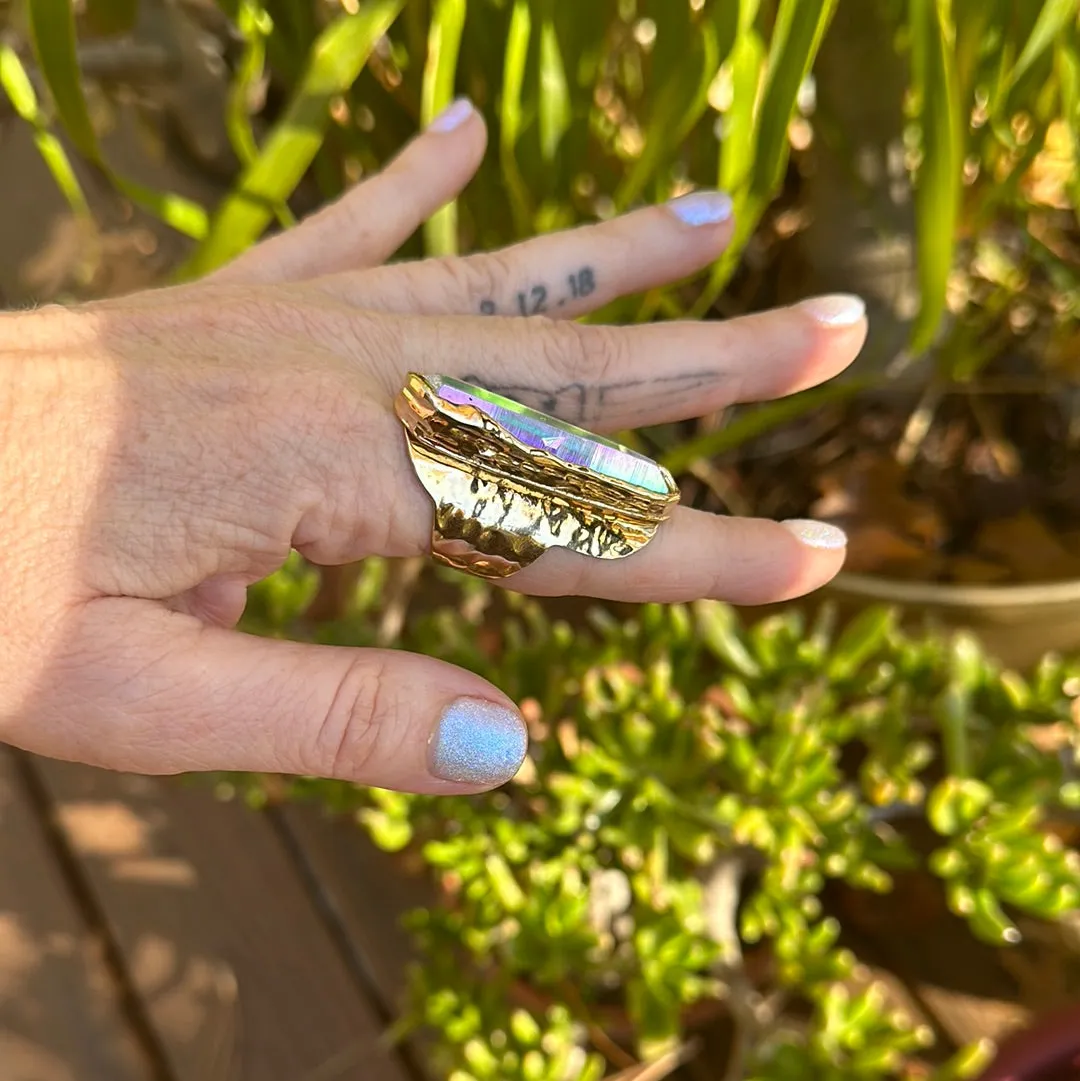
{"points": [[542, 299], [631, 400]]}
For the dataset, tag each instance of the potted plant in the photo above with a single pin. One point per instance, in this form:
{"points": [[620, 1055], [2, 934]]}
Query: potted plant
{"points": [[949, 450], [704, 811]]}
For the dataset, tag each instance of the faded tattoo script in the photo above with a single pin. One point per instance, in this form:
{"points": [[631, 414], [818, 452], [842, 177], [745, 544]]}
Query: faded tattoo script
{"points": [[586, 403]]}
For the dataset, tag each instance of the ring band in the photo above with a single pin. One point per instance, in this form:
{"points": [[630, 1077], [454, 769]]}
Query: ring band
{"points": [[508, 482]]}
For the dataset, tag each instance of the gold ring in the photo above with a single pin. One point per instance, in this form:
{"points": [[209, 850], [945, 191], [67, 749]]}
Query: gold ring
{"points": [[508, 482]]}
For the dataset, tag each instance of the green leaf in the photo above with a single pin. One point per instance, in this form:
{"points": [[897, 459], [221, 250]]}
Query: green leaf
{"points": [[860, 640], [336, 60], [511, 120], [755, 422], [254, 25], [440, 74], [968, 1063], [504, 883], [746, 62], [1054, 18], [20, 91], [682, 71], [389, 832], [553, 98], [955, 803], [800, 26], [719, 626], [52, 28], [988, 921], [938, 187]]}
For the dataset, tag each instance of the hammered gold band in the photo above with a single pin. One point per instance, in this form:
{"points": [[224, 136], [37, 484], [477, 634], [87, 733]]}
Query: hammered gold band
{"points": [[508, 482]]}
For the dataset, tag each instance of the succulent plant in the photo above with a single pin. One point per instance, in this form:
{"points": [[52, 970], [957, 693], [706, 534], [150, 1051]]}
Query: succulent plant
{"points": [[693, 785]]}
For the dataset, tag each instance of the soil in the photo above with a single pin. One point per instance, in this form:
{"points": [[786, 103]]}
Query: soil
{"points": [[992, 496]]}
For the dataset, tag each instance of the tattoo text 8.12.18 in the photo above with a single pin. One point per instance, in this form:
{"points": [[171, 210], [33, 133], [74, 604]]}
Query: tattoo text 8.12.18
{"points": [[537, 301]]}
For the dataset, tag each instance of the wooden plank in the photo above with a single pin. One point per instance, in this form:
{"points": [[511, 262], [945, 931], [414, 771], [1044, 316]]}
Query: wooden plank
{"points": [[60, 1010], [367, 891], [239, 973]]}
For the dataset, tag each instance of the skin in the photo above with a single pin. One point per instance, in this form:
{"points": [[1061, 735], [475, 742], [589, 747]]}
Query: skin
{"points": [[161, 452]]}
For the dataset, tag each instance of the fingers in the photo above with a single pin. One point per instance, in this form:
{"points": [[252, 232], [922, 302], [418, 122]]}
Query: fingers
{"points": [[693, 556], [560, 275], [697, 556], [156, 691], [609, 378], [370, 222]]}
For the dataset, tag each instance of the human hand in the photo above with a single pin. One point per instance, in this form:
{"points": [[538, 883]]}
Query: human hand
{"points": [[164, 451]]}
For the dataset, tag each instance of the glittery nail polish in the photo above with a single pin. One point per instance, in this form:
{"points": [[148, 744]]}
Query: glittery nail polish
{"points": [[452, 117], [817, 534], [836, 310], [477, 742], [701, 208]]}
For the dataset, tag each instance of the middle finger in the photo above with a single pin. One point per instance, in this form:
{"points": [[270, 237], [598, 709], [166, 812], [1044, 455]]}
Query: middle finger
{"points": [[610, 378]]}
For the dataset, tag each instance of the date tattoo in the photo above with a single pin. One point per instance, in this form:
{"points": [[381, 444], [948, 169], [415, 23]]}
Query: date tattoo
{"points": [[538, 300]]}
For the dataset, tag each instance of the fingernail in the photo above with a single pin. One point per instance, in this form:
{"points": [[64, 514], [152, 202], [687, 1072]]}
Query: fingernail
{"points": [[701, 207], [817, 534], [453, 116], [838, 310], [478, 742]]}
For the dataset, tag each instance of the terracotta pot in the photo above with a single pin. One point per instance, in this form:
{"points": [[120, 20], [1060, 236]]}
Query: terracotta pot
{"points": [[1017, 624], [1049, 1050]]}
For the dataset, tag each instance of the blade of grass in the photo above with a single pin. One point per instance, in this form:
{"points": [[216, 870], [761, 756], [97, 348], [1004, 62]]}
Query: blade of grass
{"points": [[510, 114], [554, 97], [679, 98], [745, 64], [52, 31], [440, 71], [800, 26], [1054, 17], [757, 421], [938, 184], [338, 57], [255, 26], [1067, 66], [20, 91]]}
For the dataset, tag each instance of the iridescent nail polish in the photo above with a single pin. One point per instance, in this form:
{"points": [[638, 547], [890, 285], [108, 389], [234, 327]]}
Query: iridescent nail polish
{"points": [[477, 742], [452, 117], [701, 208], [816, 534]]}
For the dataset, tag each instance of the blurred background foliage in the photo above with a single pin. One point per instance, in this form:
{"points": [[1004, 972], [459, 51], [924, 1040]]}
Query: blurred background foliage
{"points": [[716, 828], [596, 107], [923, 153]]}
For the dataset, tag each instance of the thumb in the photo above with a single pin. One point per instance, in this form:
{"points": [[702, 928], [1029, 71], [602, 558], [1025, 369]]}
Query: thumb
{"points": [[157, 691]]}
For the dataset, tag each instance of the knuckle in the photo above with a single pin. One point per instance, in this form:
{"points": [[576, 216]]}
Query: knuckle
{"points": [[347, 743], [473, 279], [580, 353]]}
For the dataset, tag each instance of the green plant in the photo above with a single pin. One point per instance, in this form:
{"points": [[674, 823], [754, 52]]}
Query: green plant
{"points": [[596, 106], [692, 788]]}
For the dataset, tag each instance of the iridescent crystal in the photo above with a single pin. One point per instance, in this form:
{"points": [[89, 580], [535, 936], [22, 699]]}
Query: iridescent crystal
{"points": [[574, 446]]}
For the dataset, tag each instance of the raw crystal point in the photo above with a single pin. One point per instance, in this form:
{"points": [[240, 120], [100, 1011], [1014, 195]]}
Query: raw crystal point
{"points": [[575, 446]]}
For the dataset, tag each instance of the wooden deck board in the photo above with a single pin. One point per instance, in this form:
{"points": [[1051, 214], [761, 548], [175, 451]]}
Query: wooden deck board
{"points": [[367, 890], [239, 975], [60, 1010]]}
